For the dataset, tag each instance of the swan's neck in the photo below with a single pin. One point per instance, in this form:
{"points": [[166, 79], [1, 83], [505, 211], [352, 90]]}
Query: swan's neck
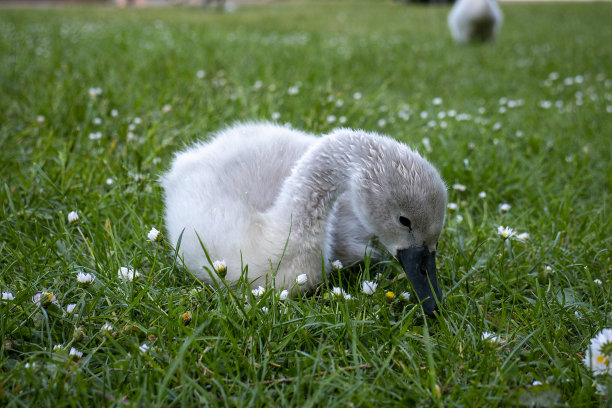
{"points": [[320, 176]]}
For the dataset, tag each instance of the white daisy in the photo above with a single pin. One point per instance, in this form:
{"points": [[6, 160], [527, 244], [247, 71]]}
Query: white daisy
{"points": [[264, 309], [201, 74], [127, 274], [301, 279], [259, 291], [339, 292], [40, 119], [504, 207], [58, 347], [523, 236], [153, 234], [73, 216], [330, 119], [144, 348], [70, 308], [114, 113], [95, 136], [276, 115], [491, 337], [85, 278], [459, 187], [166, 108], [482, 194], [369, 287], [357, 95], [75, 352], [107, 327], [452, 206], [97, 121], [405, 296], [7, 296], [599, 352], [598, 281], [220, 267], [284, 295], [293, 90], [94, 92], [437, 101], [336, 265], [505, 232]]}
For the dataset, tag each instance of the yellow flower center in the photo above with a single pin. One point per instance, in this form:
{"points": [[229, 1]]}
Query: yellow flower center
{"points": [[603, 360], [390, 295]]}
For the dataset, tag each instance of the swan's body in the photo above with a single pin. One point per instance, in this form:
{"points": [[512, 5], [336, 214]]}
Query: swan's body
{"points": [[255, 188], [475, 20]]}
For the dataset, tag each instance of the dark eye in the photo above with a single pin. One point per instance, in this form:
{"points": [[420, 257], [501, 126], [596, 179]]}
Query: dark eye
{"points": [[405, 222]]}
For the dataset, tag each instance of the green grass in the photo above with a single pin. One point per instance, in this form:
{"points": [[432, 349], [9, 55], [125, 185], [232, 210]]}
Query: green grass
{"points": [[552, 165]]}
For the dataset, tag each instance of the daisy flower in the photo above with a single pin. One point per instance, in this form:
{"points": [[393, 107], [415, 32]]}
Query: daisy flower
{"points": [[459, 187], [482, 194], [40, 119], [369, 287], [598, 281], [70, 308], [75, 352], [166, 108], [599, 352], [153, 234], [452, 206], [85, 278], [7, 296], [336, 265], [505, 232], [284, 295], [94, 92], [301, 279], [264, 309], [405, 296], [505, 207], [491, 337], [73, 217], [259, 291], [221, 268], [127, 274], [339, 292], [107, 327], [144, 348], [58, 347], [293, 90], [523, 236], [44, 299]]}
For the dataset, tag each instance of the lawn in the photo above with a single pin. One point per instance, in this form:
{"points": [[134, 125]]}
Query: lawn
{"points": [[95, 101]]}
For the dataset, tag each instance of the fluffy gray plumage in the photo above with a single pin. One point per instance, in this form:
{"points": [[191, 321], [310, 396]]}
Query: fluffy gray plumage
{"points": [[257, 186], [475, 20]]}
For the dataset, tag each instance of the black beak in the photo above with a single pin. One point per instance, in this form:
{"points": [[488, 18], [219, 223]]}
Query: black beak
{"points": [[420, 267]]}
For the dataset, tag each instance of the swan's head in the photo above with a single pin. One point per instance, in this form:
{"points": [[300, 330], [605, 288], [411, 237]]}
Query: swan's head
{"points": [[401, 199]]}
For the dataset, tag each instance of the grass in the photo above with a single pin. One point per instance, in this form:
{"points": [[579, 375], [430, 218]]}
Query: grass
{"points": [[537, 142]]}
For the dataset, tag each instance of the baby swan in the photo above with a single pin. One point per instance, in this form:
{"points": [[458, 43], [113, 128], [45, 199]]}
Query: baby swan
{"points": [[277, 199], [475, 20]]}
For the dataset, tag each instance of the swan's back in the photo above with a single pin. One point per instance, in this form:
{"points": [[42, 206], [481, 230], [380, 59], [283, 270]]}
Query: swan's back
{"points": [[219, 187], [239, 162]]}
